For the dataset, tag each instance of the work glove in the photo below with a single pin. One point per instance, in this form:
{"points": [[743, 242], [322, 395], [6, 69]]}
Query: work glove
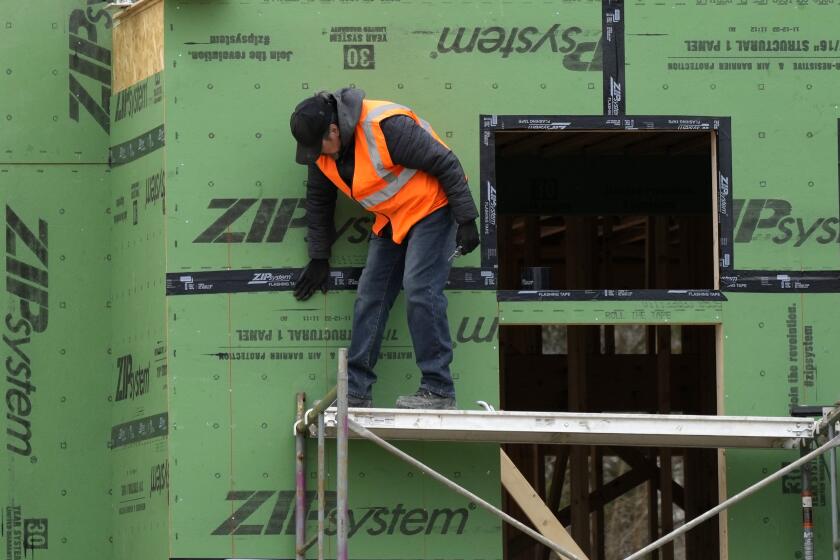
{"points": [[313, 277], [467, 237]]}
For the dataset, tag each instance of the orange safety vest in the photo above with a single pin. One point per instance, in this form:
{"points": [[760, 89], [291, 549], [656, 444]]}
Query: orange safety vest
{"points": [[392, 192]]}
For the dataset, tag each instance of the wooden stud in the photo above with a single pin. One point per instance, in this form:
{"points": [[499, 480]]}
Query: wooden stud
{"points": [[505, 256], [528, 339], [535, 509], [723, 522], [579, 456], [643, 470], [653, 507], [642, 462], [612, 490], [607, 281], [597, 483], [666, 505], [663, 375], [561, 462], [653, 482], [705, 470], [608, 275], [578, 267], [715, 240]]}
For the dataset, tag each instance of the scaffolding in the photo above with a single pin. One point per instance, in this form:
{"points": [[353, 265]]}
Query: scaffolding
{"points": [[490, 426]]}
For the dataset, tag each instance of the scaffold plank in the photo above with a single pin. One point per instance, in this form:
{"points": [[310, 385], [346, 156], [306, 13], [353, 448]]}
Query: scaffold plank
{"points": [[652, 430]]}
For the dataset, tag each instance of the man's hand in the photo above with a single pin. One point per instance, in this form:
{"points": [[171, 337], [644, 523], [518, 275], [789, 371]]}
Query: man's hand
{"points": [[467, 237], [313, 277]]}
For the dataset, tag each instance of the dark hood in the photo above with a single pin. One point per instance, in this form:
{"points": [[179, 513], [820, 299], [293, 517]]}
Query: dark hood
{"points": [[349, 103]]}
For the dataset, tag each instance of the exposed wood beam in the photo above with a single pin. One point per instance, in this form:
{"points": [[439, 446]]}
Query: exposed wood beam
{"points": [[534, 508]]}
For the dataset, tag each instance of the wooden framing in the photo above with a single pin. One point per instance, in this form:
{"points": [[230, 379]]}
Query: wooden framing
{"points": [[723, 518], [715, 229], [656, 251], [535, 509]]}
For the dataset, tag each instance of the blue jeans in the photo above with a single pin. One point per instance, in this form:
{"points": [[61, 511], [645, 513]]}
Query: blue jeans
{"points": [[421, 265]]}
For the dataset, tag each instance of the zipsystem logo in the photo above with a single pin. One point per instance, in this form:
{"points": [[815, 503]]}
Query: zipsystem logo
{"points": [[28, 312], [376, 520], [775, 219], [578, 55], [270, 279], [268, 220], [90, 65]]}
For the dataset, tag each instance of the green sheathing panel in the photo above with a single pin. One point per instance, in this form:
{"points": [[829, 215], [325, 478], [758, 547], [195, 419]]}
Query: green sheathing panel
{"points": [[138, 355], [773, 68], [56, 480], [137, 109], [56, 82], [779, 350], [236, 201], [237, 362], [56, 487], [610, 312], [227, 120]]}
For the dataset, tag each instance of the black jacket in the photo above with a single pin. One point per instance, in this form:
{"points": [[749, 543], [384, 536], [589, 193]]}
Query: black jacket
{"points": [[409, 145]]}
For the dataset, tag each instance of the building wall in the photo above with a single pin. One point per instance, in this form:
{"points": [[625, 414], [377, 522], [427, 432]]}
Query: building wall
{"points": [[179, 262], [59, 378]]}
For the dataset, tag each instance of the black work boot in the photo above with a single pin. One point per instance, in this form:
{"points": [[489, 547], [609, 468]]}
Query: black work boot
{"points": [[356, 402], [425, 399]]}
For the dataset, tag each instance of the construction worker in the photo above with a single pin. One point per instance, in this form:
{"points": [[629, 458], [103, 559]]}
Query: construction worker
{"points": [[391, 162]]}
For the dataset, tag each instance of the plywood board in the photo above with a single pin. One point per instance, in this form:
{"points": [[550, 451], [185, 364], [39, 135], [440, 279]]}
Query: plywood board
{"points": [[138, 44]]}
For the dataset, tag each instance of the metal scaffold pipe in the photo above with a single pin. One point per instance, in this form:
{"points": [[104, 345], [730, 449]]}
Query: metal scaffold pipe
{"points": [[364, 432], [830, 444], [341, 457], [322, 482], [832, 467], [311, 415], [300, 484]]}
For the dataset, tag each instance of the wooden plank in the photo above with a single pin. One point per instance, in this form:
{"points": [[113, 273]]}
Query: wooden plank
{"points": [[137, 44], [578, 276], [615, 488], [653, 508], [723, 519], [715, 248], [609, 350], [666, 501], [579, 456], [597, 483], [702, 542], [661, 273], [559, 478], [650, 342], [527, 498], [520, 545], [638, 460], [700, 466], [607, 274]]}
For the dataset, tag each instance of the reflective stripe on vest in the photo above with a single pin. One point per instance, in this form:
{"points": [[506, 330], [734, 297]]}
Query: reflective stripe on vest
{"points": [[395, 182]]}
